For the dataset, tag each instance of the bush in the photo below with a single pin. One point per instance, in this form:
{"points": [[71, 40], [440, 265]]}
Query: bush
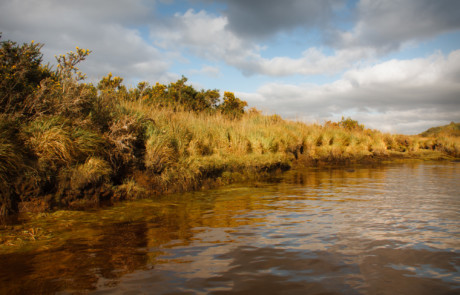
{"points": [[12, 164], [232, 106], [20, 75], [129, 190], [126, 139], [350, 124]]}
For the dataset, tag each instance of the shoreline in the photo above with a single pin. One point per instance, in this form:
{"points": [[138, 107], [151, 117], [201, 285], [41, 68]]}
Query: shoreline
{"points": [[66, 144], [96, 197]]}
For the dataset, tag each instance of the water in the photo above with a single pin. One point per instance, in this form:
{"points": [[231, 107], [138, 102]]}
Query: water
{"points": [[392, 229]]}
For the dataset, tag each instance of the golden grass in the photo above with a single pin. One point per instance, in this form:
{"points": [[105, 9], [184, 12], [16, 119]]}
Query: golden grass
{"points": [[57, 143], [50, 141], [129, 190], [181, 150], [72, 136], [177, 136], [93, 172]]}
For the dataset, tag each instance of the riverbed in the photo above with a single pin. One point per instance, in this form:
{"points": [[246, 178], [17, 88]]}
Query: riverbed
{"points": [[382, 229]]}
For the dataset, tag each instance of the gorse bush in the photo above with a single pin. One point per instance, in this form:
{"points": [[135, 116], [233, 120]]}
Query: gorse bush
{"points": [[232, 105], [21, 72], [63, 141]]}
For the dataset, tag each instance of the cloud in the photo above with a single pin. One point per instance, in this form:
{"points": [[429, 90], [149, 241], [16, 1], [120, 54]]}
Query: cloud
{"points": [[202, 33], [387, 25], [105, 27], [312, 62], [382, 25], [205, 35], [209, 37], [391, 93], [264, 18], [407, 95]]}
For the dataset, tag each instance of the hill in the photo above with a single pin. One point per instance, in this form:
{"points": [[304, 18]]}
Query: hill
{"points": [[452, 129]]}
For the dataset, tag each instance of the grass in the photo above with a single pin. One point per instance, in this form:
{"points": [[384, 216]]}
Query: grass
{"points": [[453, 129], [67, 142], [93, 172]]}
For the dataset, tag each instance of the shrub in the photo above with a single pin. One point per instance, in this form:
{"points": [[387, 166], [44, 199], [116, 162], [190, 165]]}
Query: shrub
{"points": [[12, 164], [20, 74], [350, 124], [232, 106], [126, 138]]}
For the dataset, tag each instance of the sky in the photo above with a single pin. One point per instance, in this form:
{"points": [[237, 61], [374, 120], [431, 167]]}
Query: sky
{"points": [[392, 65]]}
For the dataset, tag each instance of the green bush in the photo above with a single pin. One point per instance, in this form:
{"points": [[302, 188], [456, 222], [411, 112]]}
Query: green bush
{"points": [[21, 72], [232, 106]]}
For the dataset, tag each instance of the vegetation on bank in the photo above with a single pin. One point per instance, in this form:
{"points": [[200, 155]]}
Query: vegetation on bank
{"points": [[64, 142], [451, 130]]}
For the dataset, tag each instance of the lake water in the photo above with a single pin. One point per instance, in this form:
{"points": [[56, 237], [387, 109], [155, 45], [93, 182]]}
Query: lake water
{"points": [[388, 229]]}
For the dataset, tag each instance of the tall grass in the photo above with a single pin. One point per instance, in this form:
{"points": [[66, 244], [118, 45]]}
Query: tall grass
{"points": [[66, 141], [150, 149]]}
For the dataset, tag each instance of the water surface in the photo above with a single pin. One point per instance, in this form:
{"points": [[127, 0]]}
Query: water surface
{"points": [[390, 229]]}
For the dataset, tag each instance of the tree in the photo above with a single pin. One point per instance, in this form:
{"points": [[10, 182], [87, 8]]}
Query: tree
{"points": [[187, 97], [232, 106], [208, 99]]}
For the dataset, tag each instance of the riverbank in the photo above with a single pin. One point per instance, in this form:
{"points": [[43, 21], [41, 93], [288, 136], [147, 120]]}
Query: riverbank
{"points": [[184, 151], [68, 144], [405, 214]]}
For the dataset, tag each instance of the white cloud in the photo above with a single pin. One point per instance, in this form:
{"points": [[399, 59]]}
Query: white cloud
{"points": [[407, 95], [209, 37], [313, 61], [381, 27], [204, 35], [410, 94], [101, 26]]}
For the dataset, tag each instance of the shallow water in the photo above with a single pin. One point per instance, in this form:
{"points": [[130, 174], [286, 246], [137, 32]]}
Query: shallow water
{"points": [[390, 229]]}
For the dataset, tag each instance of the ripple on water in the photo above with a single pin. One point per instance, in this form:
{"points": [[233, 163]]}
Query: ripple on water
{"points": [[382, 230]]}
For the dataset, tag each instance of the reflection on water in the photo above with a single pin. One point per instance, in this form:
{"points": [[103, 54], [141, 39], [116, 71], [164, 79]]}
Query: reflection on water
{"points": [[380, 230]]}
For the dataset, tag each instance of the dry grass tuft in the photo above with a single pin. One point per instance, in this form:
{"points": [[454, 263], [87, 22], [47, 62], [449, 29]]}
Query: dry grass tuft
{"points": [[94, 172]]}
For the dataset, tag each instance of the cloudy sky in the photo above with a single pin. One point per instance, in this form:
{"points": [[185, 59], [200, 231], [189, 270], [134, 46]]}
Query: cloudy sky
{"points": [[392, 65]]}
